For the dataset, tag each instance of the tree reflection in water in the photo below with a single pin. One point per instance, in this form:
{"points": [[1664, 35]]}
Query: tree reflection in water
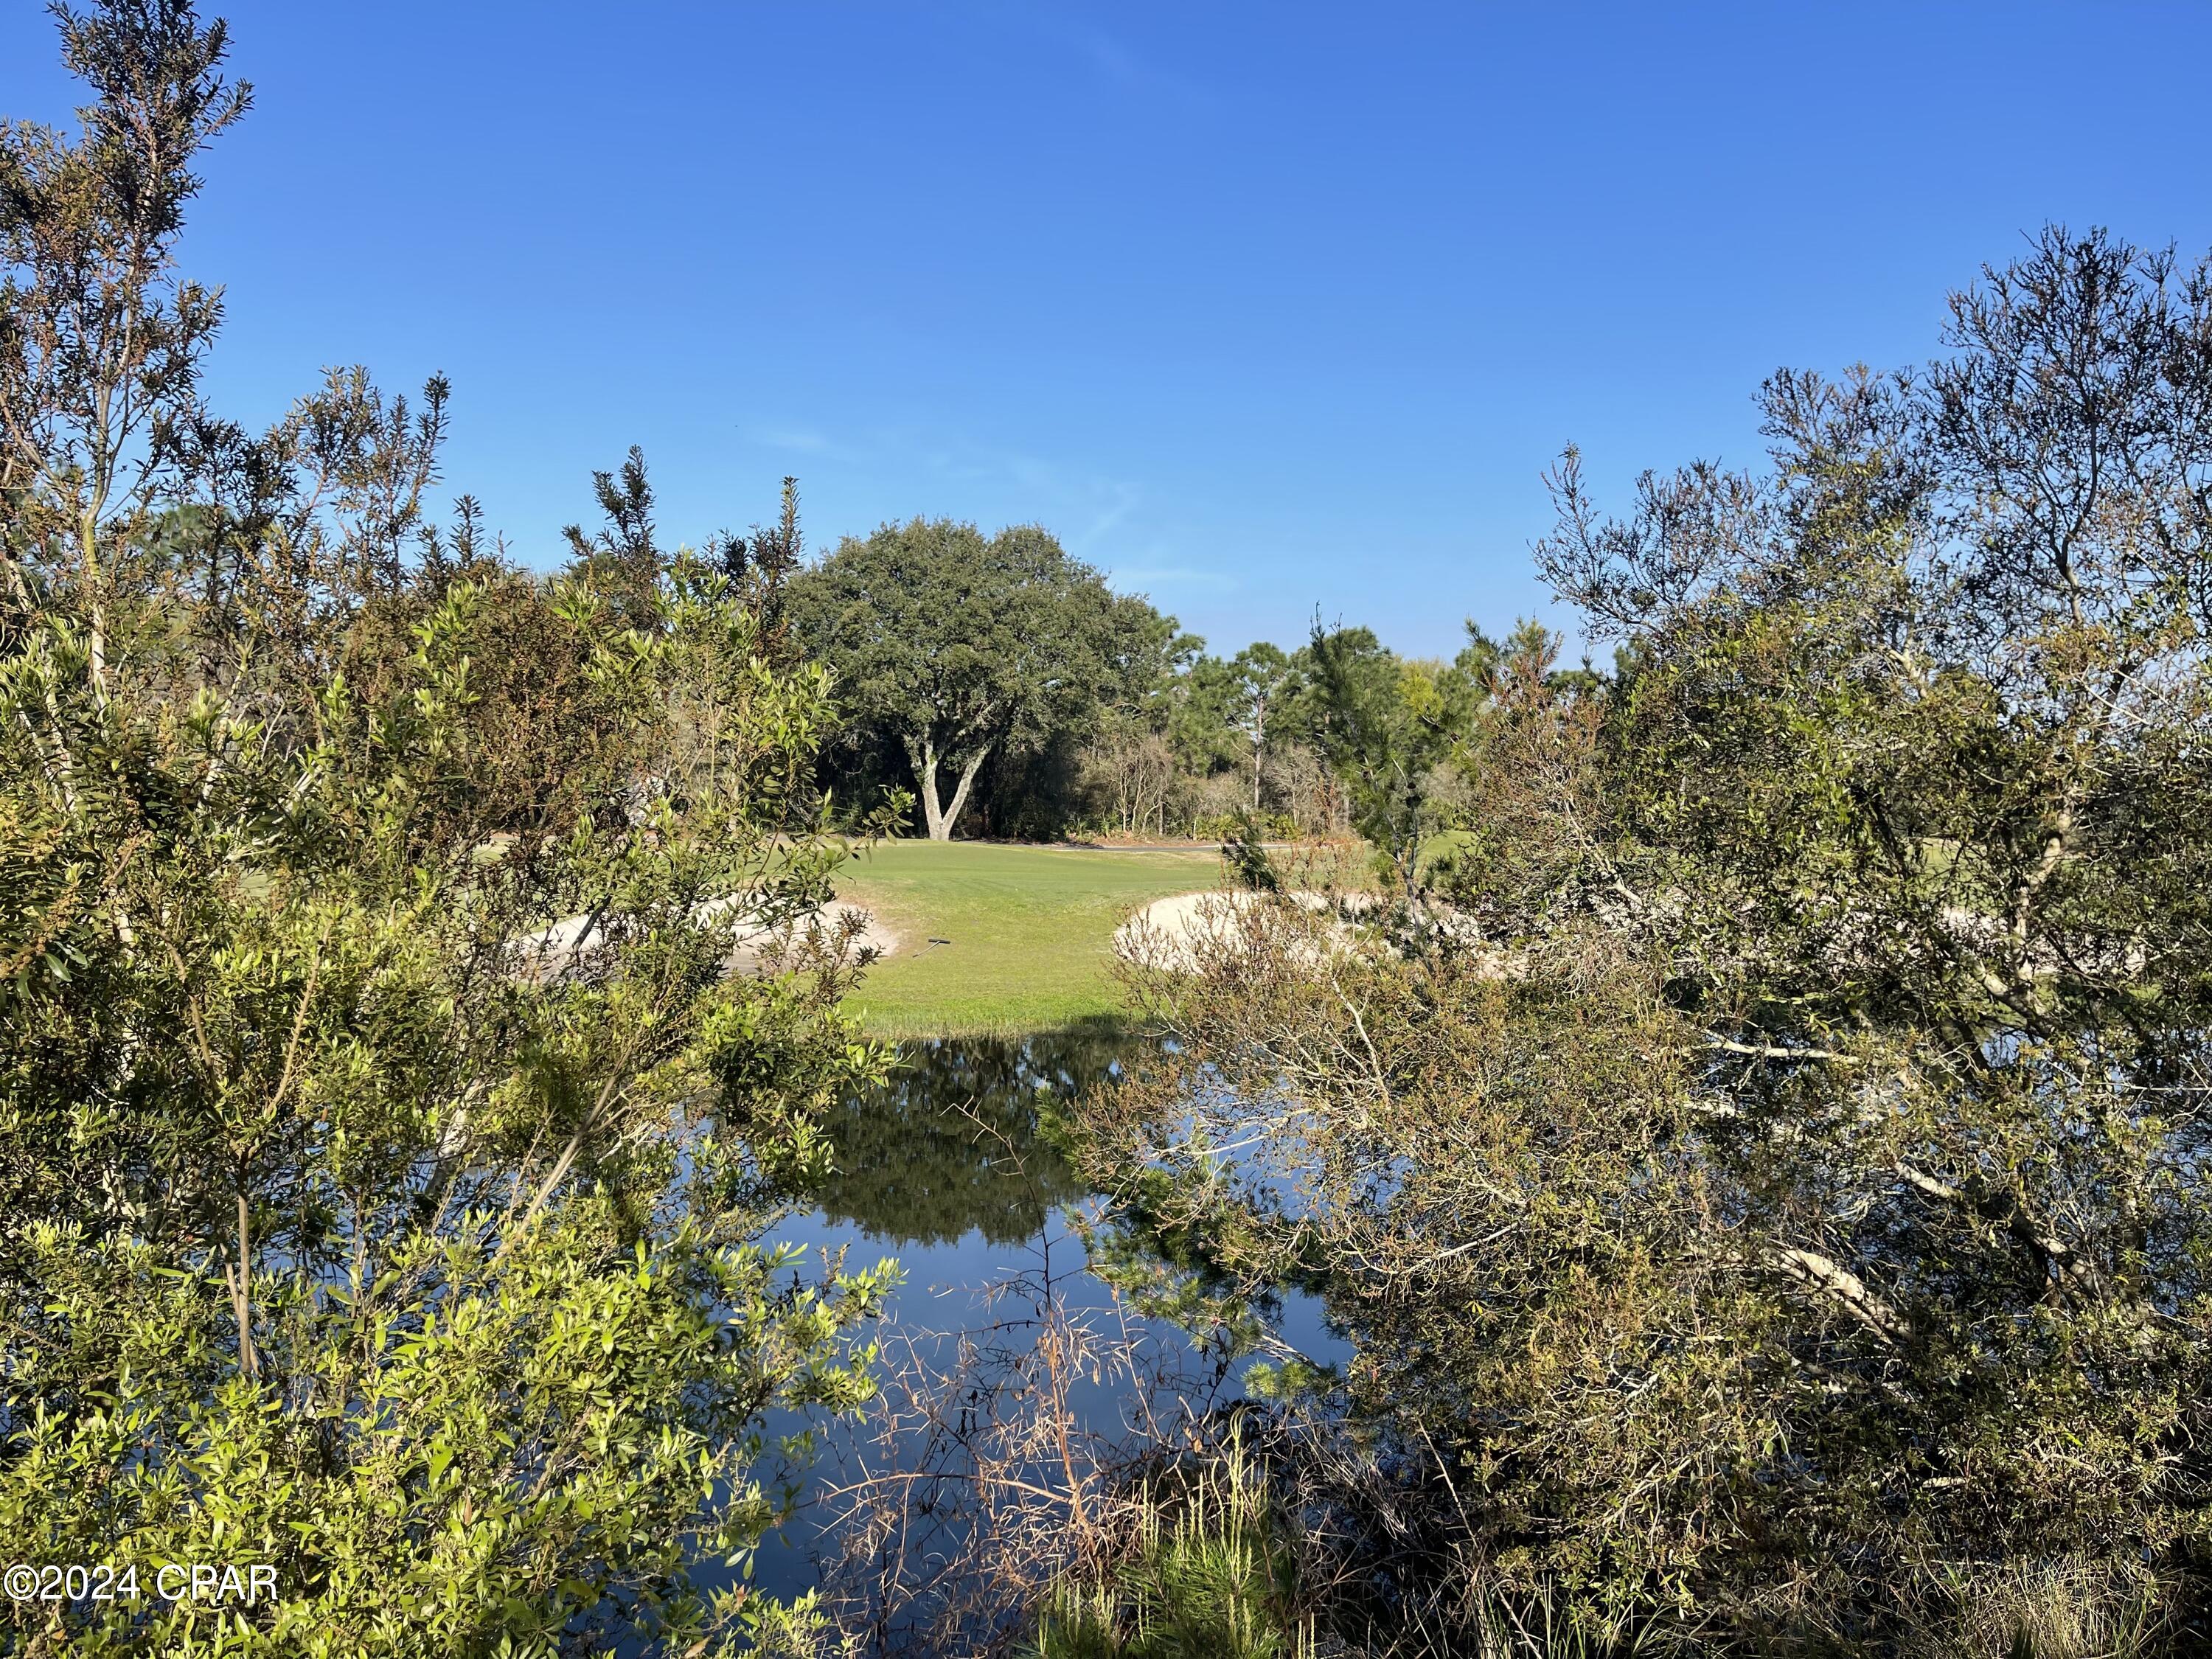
{"points": [[961, 1139]]}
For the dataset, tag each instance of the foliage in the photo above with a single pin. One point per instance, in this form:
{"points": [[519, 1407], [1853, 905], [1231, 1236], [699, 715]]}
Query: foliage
{"points": [[383, 1146], [1403, 736], [1341, 736], [1061, 704], [1260, 678], [1166, 752], [1779, 1188], [953, 646]]}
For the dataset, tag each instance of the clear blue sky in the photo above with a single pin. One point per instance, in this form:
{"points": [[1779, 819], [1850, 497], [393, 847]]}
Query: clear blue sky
{"points": [[1261, 307]]}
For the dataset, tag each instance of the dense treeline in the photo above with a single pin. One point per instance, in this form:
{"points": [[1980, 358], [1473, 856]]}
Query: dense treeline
{"points": [[999, 684]]}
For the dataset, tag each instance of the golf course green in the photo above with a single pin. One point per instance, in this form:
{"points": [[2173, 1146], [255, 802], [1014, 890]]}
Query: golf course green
{"points": [[1027, 932]]}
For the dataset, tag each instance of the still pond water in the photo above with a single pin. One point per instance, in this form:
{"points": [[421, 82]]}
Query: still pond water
{"points": [[952, 1170]]}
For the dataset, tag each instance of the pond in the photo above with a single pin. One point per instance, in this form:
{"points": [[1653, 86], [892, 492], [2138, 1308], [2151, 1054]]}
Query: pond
{"points": [[954, 1168]]}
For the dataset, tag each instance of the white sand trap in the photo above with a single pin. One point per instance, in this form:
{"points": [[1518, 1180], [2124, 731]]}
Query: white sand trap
{"points": [[1187, 932], [1184, 931], [550, 951], [754, 944]]}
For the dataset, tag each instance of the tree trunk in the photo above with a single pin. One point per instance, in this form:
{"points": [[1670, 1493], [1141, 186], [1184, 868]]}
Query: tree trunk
{"points": [[960, 795], [941, 818], [242, 1287], [1259, 747], [926, 775]]}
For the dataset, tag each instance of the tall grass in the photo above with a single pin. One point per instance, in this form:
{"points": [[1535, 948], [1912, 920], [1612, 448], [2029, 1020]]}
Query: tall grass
{"points": [[1206, 1563], [1202, 1571]]}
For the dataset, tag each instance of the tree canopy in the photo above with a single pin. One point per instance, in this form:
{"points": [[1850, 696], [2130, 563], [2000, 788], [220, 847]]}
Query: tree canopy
{"points": [[956, 646]]}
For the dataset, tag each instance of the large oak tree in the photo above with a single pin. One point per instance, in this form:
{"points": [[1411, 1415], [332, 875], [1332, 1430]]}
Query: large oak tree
{"points": [[959, 645]]}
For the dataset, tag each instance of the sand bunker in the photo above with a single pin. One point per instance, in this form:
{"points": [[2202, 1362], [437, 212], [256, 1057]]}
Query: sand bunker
{"points": [[756, 944], [550, 951], [1185, 930]]}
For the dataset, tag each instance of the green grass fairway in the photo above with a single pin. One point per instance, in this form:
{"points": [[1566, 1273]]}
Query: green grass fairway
{"points": [[1031, 931]]}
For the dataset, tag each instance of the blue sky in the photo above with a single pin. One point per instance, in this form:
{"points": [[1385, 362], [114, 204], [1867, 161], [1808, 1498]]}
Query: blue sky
{"points": [[1263, 307]]}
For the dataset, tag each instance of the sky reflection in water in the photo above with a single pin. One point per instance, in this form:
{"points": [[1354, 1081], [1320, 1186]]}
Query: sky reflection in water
{"points": [[951, 1170]]}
